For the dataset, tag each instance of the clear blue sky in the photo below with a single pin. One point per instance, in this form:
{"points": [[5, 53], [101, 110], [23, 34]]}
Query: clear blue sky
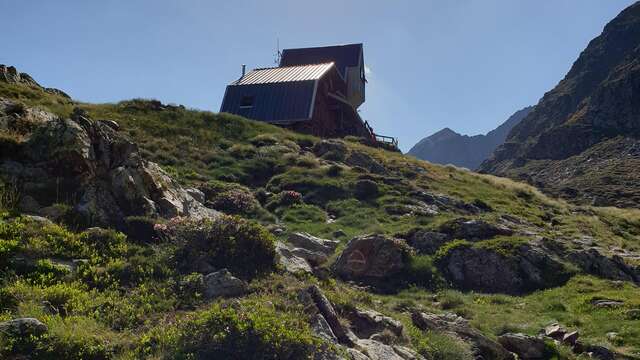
{"points": [[463, 64]]}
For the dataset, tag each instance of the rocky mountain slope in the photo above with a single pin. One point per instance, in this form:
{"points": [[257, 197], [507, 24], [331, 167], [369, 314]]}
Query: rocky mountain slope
{"points": [[139, 230], [581, 141], [448, 147]]}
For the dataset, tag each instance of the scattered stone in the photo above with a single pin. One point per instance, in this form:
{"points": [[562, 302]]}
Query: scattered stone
{"points": [[366, 323], [633, 314], [223, 283], [473, 230], [458, 326], [555, 331], [376, 350], [606, 303], [570, 338], [310, 242], [525, 346], [314, 258], [599, 352], [372, 257], [290, 261], [407, 353], [23, 327]]}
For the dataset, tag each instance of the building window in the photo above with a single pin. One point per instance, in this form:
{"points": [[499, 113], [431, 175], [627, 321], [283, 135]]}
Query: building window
{"points": [[246, 101]]}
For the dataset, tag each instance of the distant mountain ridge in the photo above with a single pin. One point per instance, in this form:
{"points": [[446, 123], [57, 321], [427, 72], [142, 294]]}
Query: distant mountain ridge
{"points": [[449, 147], [581, 142]]}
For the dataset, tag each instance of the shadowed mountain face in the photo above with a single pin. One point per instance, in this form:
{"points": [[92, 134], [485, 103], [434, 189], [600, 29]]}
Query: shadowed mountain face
{"points": [[581, 141], [448, 147]]}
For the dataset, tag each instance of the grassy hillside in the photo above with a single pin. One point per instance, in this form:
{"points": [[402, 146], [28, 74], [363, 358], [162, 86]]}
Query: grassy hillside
{"points": [[121, 300]]}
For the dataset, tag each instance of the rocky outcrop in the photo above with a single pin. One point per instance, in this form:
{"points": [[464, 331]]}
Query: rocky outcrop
{"points": [[368, 323], [517, 269], [449, 147], [373, 259], [89, 165], [581, 141], [594, 262], [11, 75], [459, 327]]}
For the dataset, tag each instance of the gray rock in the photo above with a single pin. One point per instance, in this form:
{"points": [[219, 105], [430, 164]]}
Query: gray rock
{"points": [[23, 327], [314, 258], [528, 267], [87, 160], [570, 338], [291, 262], [473, 230], [594, 262], [407, 353], [372, 258], [366, 323], [376, 350], [336, 147], [223, 284], [321, 329], [196, 194], [555, 331], [357, 355], [427, 242], [325, 308], [310, 242], [606, 303], [525, 346], [458, 326]]}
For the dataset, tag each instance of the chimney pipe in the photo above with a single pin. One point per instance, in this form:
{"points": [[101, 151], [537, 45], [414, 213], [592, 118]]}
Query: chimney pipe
{"points": [[244, 69]]}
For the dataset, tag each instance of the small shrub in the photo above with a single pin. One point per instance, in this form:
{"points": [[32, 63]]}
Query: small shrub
{"points": [[366, 189], [245, 248], [263, 140], [285, 199], [141, 228], [234, 201], [250, 332]]}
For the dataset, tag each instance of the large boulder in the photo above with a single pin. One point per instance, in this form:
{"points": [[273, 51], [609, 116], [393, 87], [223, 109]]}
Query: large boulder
{"points": [[522, 268], [93, 166], [525, 346], [365, 161], [372, 258], [459, 327]]}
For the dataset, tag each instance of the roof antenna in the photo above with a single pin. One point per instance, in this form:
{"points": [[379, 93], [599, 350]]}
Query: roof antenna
{"points": [[278, 54]]}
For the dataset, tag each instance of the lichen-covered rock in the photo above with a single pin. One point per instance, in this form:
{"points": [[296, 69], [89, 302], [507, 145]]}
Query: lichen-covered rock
{"points": [[312, 243], [525, 267], [290, 261]]}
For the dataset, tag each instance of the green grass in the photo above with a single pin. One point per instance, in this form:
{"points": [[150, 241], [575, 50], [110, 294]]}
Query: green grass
{"points": [[135, 303]]}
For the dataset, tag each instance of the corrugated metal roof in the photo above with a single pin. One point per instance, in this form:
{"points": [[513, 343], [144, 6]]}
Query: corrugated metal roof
{"points": [[279, 102], [343, 55], [284, 74]]}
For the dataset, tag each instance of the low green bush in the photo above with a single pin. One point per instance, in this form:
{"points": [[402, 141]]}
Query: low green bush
{"points": [[244, 247], [253, 331], [141, 228]]}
